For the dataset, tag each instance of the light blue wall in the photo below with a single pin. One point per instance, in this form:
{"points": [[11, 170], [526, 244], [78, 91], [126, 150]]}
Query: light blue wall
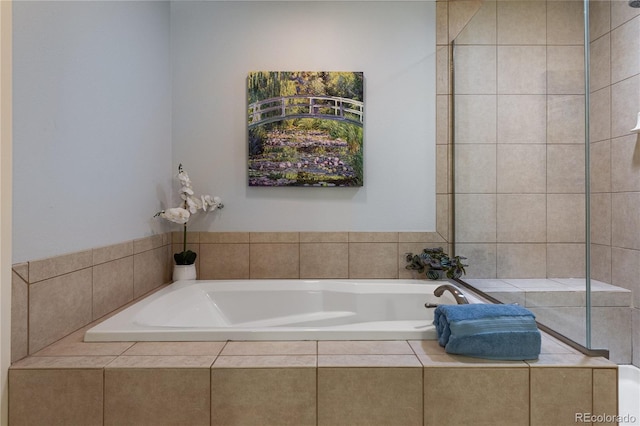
{"points": [[216, 44], [92, 123], [110, 96]]}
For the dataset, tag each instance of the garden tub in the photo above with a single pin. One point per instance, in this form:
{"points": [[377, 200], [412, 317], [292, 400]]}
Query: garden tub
{"points": [[221, 310]]}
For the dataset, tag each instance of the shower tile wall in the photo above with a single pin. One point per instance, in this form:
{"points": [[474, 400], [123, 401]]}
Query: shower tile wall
{"points": [[615, 152], [519, 135]]}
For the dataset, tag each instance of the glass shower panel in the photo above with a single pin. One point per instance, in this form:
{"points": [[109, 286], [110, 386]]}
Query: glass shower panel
{"points": [[518, 114]]}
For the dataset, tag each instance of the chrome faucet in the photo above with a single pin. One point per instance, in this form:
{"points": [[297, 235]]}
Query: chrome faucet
{"points": [[457, 294]]}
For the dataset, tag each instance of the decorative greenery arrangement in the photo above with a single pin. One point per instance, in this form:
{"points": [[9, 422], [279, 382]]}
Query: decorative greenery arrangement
{"points": [[189, 206], [434, 260]]}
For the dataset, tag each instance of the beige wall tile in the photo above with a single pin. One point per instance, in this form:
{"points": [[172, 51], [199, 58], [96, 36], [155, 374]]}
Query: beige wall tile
{"points": [[442, 20], [112, 252], [625, 220], [419, 237], [55, 266], [475, 168], [625, 39], [389, 396], [443, 212], [625, 155], [62, 397], [565, 218], [557, 394], [157, 396], [625, 104], [522, 70], [178, 237], [442, 119], [273, 396], [476, 218], [22, 269], [149, 270], [19, 317], [599, 18], [600, 218], [601, 262], [460, 14], [148, 243], [224, 261], [565, 260], [600, 115], [521, 168], [373, 260], [324, 260], [565, 70], [600, 63], [491, 396], [522, 22], [274, 237], [442, 169], [522, 218], [565, 22], [481, 258], [482, 28], [475, 70], [373, 237], [224, 237], [522, 260], [600, 170], [324, 237], [522, 119], [621, 13], [565, 168], [625, 270], [475, 118], [278, 260], [112, 286], [565, 119], [58, 306], [635, 313], [442, 70]]}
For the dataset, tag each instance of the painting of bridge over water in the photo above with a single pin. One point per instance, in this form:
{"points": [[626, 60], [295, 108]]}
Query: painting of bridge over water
{"points": [[305, 128]]}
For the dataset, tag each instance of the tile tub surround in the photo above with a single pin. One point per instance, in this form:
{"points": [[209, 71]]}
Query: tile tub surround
{"points": [[54, 297], [302, 383]]}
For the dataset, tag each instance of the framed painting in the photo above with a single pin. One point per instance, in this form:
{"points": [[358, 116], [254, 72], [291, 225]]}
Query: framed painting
{"points": [[305, 128]]}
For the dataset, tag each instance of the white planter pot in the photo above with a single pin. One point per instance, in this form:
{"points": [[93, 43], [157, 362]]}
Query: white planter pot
{"points": [[184, 272]]}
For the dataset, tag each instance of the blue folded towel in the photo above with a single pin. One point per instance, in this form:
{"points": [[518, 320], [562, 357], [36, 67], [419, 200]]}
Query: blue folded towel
{"points": [[502, 332]]}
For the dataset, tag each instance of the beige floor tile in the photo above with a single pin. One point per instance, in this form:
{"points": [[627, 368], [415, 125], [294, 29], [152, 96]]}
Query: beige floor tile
{"points": [[272, 396], [70, 348], [162, 362]]}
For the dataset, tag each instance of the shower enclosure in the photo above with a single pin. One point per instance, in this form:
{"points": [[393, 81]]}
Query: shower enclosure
{"points": [[538, 204]]}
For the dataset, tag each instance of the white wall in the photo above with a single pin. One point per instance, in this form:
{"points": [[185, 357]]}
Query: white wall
{"points": [[92, 123], [216, 44]]}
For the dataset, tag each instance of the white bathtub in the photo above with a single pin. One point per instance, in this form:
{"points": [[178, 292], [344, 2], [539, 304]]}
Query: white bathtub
{"points": [[629, 395], [278, 310]]}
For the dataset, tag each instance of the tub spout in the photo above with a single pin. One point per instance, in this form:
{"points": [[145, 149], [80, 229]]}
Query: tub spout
{"points": [[457, 294]]}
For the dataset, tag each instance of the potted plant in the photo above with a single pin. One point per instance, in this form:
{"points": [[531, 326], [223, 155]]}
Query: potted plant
{"points": [[436, 262], [189, 206]]}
